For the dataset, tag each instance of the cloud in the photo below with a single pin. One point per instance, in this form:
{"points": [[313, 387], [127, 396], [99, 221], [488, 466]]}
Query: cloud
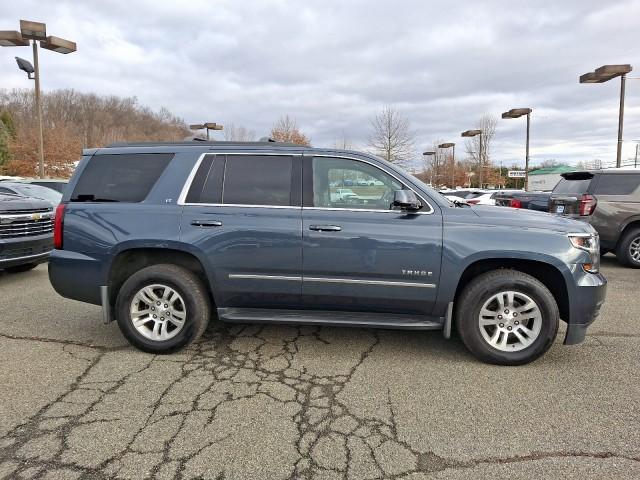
{"points": [[332, 65]]}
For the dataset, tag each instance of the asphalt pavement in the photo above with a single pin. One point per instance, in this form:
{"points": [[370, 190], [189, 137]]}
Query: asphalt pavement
{"points": [[271, 402]]}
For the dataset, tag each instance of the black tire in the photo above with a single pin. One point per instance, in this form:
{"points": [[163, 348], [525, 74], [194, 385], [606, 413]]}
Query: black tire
{"points": [[21, 268], [187, 285], [481, 289], [623, 249]]}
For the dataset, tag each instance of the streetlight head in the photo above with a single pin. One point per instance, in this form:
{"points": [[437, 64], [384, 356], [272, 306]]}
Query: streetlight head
{"points": [[447, 145], [592, 77], [471, 133], [198, 126], [59, 45], [213, 126], [12, 38], [507, 115], [25, 66], [428, 153], [605, 73], [516, 112], [33, 30]]}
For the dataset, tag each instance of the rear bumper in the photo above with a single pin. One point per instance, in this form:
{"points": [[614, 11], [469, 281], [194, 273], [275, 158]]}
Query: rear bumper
{"points": [[25, 250], [76, 276], [589, 296]]}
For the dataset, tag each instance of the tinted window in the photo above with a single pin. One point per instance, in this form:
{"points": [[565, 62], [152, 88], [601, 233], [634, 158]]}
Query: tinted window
{"points": [[617, 184], [257, 180], [572, 186], [206, 186], [343, 183], [120, 178]]}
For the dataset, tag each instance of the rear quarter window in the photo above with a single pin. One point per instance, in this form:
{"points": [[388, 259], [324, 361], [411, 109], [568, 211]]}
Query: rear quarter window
{"points": [[617, 184], [120, 178]]}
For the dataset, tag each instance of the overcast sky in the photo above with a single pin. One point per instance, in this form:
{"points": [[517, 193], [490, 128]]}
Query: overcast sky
{"points": [[333, 64]]}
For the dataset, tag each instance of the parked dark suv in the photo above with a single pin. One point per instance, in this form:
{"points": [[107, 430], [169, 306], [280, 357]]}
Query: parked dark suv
{"points": [[610, 201], [164, 236], [26, 237]]}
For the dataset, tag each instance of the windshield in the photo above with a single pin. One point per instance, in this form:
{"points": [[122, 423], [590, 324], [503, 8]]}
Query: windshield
{"points": [[38, 192]]}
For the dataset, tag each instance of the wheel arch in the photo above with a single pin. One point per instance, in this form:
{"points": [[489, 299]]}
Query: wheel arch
{"points": [[547, 273], [129, 260]]}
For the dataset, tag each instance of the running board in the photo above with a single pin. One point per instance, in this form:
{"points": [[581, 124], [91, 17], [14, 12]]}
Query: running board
{"points": [[336, 318]]}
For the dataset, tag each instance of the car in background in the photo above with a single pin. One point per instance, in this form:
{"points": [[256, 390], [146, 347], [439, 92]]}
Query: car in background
{"points": [[343, 194], [610, 201], [489, 197], [57, 184], [26, 232], [538, 201], [53, 197], [464, 194]]}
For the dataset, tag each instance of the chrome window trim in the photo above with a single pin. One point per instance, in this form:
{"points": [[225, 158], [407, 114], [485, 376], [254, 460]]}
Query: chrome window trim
{"points": [[194, 170], [187, 185], [403, 182], [356, 281]]}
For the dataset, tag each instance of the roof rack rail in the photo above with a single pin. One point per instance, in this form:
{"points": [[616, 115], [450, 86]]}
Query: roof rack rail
{"points": [[201, 143]]}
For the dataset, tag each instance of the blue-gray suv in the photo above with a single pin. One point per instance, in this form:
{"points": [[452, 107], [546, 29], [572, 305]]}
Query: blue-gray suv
{"points": [[166, 236]]}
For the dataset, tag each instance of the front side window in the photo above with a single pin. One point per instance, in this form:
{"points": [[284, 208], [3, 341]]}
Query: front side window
{"points": [[350, 184], [258, 180]]}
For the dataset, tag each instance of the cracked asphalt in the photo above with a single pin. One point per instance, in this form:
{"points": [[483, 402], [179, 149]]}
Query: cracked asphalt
{"points": [[270, 402]]}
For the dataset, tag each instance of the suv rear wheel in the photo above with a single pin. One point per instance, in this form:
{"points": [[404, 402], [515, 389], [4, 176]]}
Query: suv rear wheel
{"points": [[507, 317], [628, 249], [162, 308]]}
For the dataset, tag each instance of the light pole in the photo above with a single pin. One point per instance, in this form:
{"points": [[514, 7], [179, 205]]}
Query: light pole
{"points": [[208, 126], [517, 113], [473, 133], [426, 154], [604, 74], [453, 160], [37, 32]]}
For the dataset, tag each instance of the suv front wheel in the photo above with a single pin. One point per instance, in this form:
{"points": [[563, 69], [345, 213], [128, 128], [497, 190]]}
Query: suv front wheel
{"points": [[507, 317], [162, 308]]}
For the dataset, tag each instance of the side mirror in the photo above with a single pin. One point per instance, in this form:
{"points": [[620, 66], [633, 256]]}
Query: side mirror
{"points": [[406, 200]]}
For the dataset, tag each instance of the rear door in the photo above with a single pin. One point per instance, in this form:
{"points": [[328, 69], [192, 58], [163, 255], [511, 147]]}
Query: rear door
{"points": [[243, 212], [568, 193]]}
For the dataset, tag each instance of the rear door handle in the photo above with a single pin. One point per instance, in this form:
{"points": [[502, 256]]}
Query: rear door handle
{"points": [[206, 223], [325, 228]]}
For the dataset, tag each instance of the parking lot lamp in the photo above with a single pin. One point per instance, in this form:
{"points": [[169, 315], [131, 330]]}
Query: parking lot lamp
{"points": [[473, 133], [453, 160], [517, 113], [36, 32], [604, 74], [206, 126], [425, 155]]}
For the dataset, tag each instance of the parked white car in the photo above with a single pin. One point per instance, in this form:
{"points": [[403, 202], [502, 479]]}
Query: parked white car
{"points": [[488, 198]]}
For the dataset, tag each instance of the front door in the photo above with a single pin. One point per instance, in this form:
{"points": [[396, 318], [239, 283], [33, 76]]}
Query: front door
{"points": [[360, 254], [243, 214]]}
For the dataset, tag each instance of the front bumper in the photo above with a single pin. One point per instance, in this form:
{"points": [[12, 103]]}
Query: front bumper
{"points": [[588, 298], [24, 250]]}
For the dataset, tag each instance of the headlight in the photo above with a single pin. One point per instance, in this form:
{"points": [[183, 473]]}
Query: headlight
{"points": [[590, 243]]}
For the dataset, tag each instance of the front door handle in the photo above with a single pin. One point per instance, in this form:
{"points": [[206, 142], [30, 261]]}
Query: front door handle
{"points": [[325, 228], [206, 223]]}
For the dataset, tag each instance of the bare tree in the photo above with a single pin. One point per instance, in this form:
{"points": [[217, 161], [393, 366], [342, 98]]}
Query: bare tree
{"points": [[482, 143], [343, 143], [238, 133], [286, 130], [392, 138]]}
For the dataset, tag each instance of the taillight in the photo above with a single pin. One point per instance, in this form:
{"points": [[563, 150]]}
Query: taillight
{"points": [[515, 203], [587, 204], [57, 226]]}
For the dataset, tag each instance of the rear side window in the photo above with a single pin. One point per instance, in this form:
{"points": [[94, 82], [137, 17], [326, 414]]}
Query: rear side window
{"points": [[120, 178], [572, 186], [258, 180], [617, 184]]}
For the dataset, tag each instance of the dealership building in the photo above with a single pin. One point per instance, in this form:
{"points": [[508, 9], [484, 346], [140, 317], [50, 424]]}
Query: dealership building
{"points": [[544, 179]]}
